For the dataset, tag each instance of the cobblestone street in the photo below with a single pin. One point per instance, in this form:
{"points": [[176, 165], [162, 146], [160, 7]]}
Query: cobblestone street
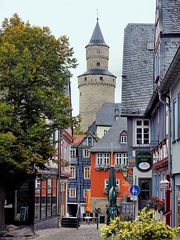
{"points": [[84, 232]]}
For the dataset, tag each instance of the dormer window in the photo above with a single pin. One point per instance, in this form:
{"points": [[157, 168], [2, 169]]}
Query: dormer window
{"points": [[116, 111], [123, 137]]}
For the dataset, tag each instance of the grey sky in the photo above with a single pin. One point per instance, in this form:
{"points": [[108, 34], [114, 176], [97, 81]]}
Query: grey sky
{"points": [[77, 19]]}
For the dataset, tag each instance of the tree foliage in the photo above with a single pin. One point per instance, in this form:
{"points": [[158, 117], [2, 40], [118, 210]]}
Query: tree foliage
{"points": [[144, 227], [34, 73], [77, 125]]}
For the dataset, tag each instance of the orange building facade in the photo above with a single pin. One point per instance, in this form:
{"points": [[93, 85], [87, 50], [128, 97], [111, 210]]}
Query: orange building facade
{"points": [[99, 183]]}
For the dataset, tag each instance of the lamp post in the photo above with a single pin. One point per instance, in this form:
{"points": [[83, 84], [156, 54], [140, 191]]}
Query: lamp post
{"points": [[112, 196]]}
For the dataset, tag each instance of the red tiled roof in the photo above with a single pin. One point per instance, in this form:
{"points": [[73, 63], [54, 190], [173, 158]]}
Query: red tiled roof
{"points": [[77, 139]]}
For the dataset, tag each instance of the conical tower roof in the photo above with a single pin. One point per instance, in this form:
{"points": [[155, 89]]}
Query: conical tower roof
{"points": [[97, 37]]}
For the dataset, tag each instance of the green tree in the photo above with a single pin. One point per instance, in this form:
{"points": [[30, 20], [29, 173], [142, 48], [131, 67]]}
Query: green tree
{"points": [[34, 72], [77, 125]]}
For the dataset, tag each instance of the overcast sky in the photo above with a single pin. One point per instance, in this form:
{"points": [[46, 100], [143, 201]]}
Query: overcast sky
{"points": [[77, 19]]}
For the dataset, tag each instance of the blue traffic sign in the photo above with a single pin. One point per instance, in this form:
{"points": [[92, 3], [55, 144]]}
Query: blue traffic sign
{"points": [[134, 190]]}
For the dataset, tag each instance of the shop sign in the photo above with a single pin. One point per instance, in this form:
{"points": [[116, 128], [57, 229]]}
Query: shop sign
{"points": [[144, 161]]}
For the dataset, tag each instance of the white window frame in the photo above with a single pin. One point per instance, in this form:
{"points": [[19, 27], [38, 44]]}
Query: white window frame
{"points": [[38, 183], [49, 183], [178, 116], [105, 131], [174, 120], [106, 181], [118, 184], [87, 172], [142, 127], [99, 158], [73, 172], [90, 144], [123, 138], [102, 158], [116, 110], [72, 192], [121, 159], [86, 153], [73, 153]]}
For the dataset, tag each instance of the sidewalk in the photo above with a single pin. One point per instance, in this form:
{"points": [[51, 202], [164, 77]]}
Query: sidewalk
{"points": [[84, 232]]}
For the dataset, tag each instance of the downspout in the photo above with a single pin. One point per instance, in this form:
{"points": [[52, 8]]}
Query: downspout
{"points": [[169, 131], [169, 152]]}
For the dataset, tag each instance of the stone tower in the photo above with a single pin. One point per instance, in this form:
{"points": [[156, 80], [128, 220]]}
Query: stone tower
{"points": [[97, 84]]}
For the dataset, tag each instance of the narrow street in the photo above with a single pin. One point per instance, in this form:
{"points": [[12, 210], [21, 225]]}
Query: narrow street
{"points": [[84, 232]]}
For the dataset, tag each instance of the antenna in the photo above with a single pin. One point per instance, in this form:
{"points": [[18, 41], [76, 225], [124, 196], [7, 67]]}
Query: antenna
{"points": [[97, 14]]}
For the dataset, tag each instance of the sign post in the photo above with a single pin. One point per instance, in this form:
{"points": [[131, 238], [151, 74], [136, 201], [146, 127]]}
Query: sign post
{"points": [[134, 190]]}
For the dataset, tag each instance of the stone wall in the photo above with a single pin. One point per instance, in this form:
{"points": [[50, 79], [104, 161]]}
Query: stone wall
{"points": [[96, 54], [94, 90]]}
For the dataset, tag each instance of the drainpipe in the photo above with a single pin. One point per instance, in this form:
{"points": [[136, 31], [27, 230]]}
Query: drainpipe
{"points": [[169, 148], [169, 131]]}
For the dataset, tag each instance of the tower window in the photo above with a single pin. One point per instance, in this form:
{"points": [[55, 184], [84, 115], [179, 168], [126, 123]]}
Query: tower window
{"points": [[98, 64], [116, 117]]}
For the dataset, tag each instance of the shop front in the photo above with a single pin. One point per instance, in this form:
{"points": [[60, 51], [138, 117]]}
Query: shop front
{"points": [[34, 204]]}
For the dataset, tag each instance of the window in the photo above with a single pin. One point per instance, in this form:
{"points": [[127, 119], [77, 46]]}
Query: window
{"points": [[38, 183], [98, 64], [90, 141], [142, 132], [45, 198], [174, 120], [86, 153], [123, 137], [118, 185], [105, 131], [116, 117], [86, 172], [73, 172], [117, 111], [102, 158], [150, 46], [178, 119], [121, 159], [145, 185], [72, 192], [84, 192], [73, 153], [106, 184], [101, 78]]}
